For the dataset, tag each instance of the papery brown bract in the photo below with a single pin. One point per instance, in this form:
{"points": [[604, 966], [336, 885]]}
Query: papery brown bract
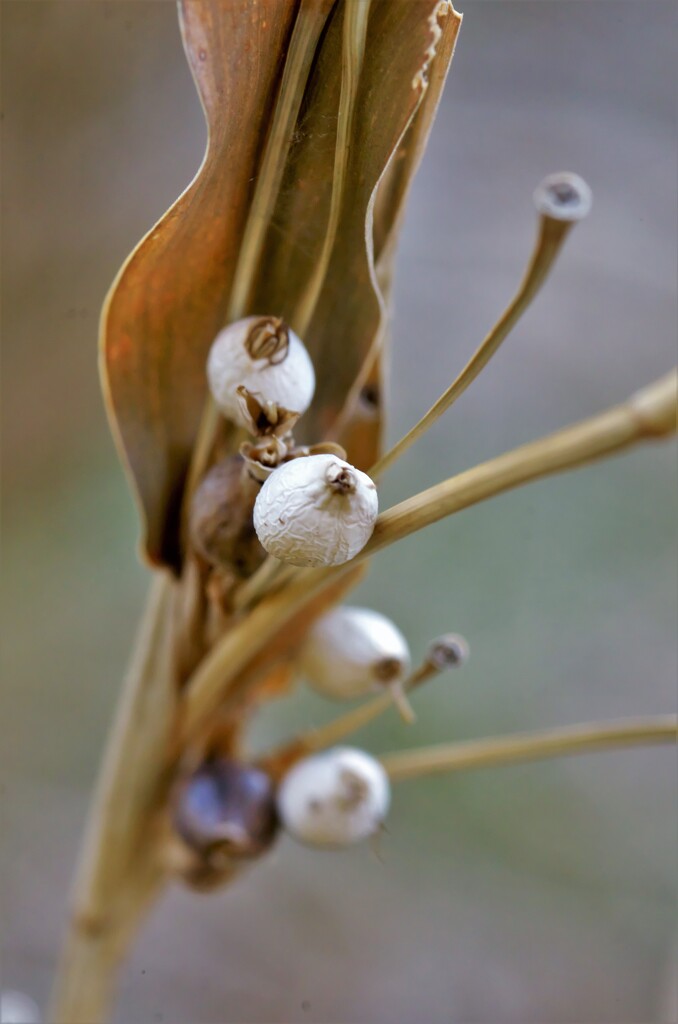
{"points": [[172, 295], [407, 52], [170, 298]]}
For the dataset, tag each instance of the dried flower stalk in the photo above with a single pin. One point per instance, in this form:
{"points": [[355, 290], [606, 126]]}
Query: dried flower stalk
{"points": [[551, 235], [531, 746]]}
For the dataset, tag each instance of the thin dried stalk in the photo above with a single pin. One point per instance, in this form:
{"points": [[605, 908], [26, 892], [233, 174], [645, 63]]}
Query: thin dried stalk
{"points": [[117, 875], [647, 415], [552, 234], [209, 685], [305, 35], [530, 746], [345, 725], [356, 14]]}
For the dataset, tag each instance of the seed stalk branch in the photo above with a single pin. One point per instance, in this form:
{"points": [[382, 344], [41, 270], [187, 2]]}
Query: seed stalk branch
{"points": [[356, 14], [650, 414], [534, 746], [551, 235]]}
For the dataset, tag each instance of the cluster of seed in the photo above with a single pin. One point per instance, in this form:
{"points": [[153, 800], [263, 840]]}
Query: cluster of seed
{"points": [[307, 507], [330, 799], [234, 810]]}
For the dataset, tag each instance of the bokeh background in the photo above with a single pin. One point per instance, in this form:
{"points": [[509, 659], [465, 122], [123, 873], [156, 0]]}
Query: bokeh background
{"points": [[542, 893]]}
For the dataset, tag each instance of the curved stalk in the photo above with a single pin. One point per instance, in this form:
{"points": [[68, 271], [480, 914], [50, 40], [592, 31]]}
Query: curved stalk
{"points": [[552, 233]]}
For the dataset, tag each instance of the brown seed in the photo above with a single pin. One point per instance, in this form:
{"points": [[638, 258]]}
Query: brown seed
{"points": [[227, 810], [220, 525]]}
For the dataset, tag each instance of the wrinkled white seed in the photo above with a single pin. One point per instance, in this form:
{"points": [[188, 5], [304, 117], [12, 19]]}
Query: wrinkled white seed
{"points": [[350, 652], [563, 196], [266, 357], [335, 798], [316, 510]]}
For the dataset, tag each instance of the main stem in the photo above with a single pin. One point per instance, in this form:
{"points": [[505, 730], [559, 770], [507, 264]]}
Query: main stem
{"points": [[119, 873]]}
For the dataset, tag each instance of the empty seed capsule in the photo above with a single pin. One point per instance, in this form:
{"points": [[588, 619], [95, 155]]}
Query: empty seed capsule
{"points": [[448, 651], [266, 356], [563, 196], [351, 652], [316, 510], [336, 798], [228, 807]]}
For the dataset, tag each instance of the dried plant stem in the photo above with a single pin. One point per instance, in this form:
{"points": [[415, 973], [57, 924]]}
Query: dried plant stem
{"points": [[261, 581], [356, 14], [271, 575], [303, 43], [647, 415], [345, 725], [552, 233], [207, 689], [530, 746], [118, 874], [307, 28]]}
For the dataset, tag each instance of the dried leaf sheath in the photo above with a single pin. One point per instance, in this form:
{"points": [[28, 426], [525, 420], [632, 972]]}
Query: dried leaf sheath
{"points": [[349, 316], [172, 295]]}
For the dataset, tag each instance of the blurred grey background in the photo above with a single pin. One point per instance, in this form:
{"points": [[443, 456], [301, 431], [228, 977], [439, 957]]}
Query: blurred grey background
{"points": [[542, 893]]}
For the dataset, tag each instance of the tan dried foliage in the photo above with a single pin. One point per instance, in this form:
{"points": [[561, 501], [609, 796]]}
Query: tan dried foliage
{"points": [[175, 290]]}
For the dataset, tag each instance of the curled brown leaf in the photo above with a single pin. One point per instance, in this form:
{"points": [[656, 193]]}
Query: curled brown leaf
{"points": [[173, 293]]}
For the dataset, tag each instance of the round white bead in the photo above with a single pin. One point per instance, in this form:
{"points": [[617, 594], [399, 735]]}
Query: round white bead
{"points": [[335, 798], [304, 515], [351, 652], [289, 383]]}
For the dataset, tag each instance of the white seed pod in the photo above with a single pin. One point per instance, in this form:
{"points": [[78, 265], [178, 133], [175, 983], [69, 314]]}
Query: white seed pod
{"points": [[336, 798], [351, 652], [264, 355], [316, 510], [563, 196]]}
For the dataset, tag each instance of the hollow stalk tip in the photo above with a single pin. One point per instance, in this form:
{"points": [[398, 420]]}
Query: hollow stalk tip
{"points": [[552, 232]]}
